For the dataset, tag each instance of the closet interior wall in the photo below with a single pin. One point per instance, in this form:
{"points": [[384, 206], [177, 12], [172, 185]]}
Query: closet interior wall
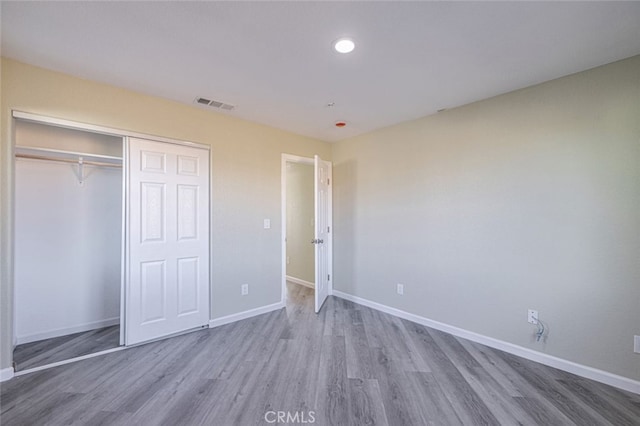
{"points": [[68, 233]]}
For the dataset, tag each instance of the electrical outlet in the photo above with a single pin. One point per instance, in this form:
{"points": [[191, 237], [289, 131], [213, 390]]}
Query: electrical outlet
{"points": [[636, 344], [244, 289], [400, 289], [532, 316]]}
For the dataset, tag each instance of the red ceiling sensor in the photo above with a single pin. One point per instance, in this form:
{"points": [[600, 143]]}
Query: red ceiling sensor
{"points": [[340, 124]]}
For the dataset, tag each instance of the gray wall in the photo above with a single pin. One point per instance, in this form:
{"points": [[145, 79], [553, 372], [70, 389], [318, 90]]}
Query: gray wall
{"points": [[526, 200], [300, 226]]}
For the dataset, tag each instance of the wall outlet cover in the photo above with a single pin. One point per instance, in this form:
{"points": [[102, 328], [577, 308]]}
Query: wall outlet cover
{"points": [[400, 289], [244, 289], [532, 316], [636, 344]]}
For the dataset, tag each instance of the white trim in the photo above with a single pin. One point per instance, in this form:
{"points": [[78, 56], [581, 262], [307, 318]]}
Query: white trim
{"points": [[69, 124], [301, 282], [124, 241], [68, 361], [549, 360], [217, 322], [330, 224], [67, 330], [283, 226], [6, 374]]}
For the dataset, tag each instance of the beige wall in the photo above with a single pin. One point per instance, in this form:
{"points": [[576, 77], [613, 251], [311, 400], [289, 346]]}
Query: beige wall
{"points": [[300, 226], [526, 200], [245, 182]]}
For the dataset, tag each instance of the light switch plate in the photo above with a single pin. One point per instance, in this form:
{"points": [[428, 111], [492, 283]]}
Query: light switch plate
{"points": [[267, 224]]}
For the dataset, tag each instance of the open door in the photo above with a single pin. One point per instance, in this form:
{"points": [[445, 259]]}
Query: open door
{"points": [[322, 240], [167, 268]]}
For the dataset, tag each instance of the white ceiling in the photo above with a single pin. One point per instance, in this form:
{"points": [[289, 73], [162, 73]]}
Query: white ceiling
{"points": [[274, 60]]}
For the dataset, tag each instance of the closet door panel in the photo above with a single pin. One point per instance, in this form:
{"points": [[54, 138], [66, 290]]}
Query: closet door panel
{"points": [[153, 286], [168, 222], [152, 211], [187, 212], [187, 285]]}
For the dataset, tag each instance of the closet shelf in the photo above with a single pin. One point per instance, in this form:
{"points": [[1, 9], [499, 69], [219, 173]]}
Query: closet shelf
{"points": [[55, 154], [79, 158]]}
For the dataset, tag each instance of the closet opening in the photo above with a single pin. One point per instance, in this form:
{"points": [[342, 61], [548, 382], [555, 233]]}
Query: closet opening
{"points": [[306, 229], [68, 236]]}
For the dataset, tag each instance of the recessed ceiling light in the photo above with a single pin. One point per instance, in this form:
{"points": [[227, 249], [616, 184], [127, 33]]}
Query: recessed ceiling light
{"points": [[344, 45]]}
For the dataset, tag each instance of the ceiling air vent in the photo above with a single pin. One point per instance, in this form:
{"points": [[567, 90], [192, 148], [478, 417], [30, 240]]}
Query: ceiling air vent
{"points": [[214, 104]]}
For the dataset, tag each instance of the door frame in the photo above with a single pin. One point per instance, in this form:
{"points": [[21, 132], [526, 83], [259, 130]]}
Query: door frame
{"points": [[289, 158]]}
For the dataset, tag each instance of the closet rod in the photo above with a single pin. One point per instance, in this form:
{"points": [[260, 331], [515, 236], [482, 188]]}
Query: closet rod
{"points": [[66, 160]]}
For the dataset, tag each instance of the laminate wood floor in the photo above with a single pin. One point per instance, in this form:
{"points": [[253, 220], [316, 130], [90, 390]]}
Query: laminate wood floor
{"points": [[348, 365], [43, 352]]}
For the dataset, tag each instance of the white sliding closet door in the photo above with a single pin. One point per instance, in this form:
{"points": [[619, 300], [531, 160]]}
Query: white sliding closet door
{"points": [[168, 239]]}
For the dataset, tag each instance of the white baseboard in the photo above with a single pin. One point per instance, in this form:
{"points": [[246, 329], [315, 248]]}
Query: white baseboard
{"points": [[552, 361], [217, 322], [301, 282], [6, 374], [67, 330]]}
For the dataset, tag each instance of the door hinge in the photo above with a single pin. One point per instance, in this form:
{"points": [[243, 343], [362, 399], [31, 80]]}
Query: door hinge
{"points": [[328, 229], [328, 181], [328, 277]]}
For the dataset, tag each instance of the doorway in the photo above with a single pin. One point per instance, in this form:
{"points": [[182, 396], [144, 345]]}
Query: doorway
{"points": [[306, 226], [300, 257]]}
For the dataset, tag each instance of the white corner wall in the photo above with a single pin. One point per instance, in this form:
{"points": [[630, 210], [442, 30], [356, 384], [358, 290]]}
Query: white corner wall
{"points": [[526, 200]]}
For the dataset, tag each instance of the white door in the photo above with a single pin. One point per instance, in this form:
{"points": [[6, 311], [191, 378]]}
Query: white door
{"points": [[322, 241], [167, 239]]}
